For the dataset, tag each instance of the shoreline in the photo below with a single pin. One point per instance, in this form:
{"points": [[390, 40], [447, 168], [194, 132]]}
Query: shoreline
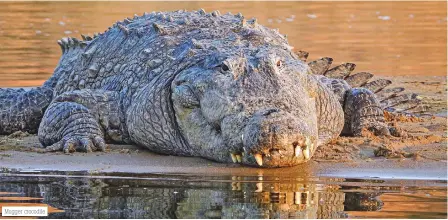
{"points": [[376, 169]]}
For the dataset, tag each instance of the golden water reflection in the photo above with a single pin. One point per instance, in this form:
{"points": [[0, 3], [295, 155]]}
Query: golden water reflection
{"points": [[171, 196], [387, 38]]}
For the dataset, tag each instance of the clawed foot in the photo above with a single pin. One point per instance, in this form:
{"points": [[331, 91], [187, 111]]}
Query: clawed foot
{"points": [[78, 144], [372, 128]]}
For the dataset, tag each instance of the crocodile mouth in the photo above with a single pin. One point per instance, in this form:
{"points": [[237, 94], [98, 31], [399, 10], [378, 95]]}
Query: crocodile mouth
{"points": [[299, 151], [275, 139]]}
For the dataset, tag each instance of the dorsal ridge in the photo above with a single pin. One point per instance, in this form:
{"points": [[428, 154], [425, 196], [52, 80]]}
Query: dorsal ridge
{"points": [[70, 43]]}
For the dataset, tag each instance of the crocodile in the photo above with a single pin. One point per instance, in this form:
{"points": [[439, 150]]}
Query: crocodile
{"points": [[221, 87]]}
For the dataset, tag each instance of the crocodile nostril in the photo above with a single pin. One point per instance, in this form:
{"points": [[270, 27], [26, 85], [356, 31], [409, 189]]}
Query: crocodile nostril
{"points": [[217, 127]]}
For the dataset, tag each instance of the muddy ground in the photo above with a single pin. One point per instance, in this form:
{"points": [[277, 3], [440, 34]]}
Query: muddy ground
{"points": [[420, 152]]}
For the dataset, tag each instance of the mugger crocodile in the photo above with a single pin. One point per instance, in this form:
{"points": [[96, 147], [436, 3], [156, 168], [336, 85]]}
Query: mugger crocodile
{"points": [[197, 84]]}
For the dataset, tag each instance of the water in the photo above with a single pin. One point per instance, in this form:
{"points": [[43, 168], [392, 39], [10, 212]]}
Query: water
{"points": [[121, 195], [387, 38]]}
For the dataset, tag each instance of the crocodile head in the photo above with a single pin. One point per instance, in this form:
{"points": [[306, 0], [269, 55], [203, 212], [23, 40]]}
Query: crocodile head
{"points": [[252, 108]]}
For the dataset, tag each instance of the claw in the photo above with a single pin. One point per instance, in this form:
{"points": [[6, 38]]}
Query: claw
{"points": [[55, 147], [259, 159], [69, 146], [85, 145], [80, 144], [99, 143]]}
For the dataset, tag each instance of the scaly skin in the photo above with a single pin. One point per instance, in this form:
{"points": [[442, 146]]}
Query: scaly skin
{"points": [[188, 83]]}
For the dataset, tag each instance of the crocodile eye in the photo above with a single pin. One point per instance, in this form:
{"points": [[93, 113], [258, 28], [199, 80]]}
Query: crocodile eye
{"points": [[224, 67]]}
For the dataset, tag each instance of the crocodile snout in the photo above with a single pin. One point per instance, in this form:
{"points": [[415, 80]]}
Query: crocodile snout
{"points": [[274, 138]]}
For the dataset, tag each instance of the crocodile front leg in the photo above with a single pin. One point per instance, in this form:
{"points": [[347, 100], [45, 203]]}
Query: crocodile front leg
{"points": [[81, 120]]}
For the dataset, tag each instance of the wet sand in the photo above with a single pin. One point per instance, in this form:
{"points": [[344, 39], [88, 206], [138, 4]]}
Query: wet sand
{"points": [[422, 154]]}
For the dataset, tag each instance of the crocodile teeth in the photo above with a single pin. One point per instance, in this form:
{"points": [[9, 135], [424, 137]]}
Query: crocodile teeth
{"points": [[239, 158], [306, 153], [259, 159], [297, 151], [298, 147], [233, 157], [297, 198]]}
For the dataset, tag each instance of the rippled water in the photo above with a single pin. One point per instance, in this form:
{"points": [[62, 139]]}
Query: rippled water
{"points": [[80, 195], [388, 38]]}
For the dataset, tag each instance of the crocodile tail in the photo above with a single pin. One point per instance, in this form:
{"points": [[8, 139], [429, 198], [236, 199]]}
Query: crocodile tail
{"points": [[391, 99], [22, 110]]}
